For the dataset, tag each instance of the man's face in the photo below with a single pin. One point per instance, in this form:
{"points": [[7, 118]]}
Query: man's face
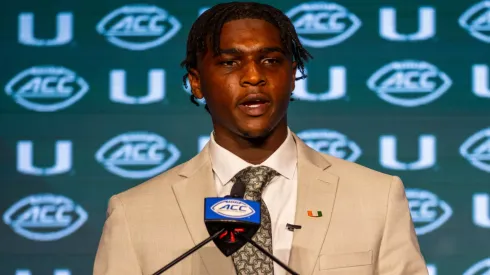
{"points": [[248, 86]]}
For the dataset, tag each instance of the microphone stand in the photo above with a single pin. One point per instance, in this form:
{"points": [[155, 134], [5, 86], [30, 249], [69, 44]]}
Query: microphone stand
{"points": [[189, 252], [276, 260], [201, 244]]}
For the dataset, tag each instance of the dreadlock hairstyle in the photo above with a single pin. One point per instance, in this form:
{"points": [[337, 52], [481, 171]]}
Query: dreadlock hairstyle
{"points": [[207, 28]]}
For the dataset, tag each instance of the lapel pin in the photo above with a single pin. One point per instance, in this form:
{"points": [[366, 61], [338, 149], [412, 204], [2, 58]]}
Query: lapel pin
{"points": [[318, 214]]}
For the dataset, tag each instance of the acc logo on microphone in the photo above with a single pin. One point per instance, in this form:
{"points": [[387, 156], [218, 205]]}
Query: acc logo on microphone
{"points": [[322, 24], [332, 143], [476, 20], [46, 88], [409, 83], [233, 209], [45, 217], [476, 149], [138, 27], [137, 155], [427, 210]]}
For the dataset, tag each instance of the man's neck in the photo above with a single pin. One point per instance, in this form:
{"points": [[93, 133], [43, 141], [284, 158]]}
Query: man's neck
{"points": [[251, 150]]}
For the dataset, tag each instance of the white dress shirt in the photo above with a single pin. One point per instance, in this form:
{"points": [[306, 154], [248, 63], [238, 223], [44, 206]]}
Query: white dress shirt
{"points": [[279, 195]]}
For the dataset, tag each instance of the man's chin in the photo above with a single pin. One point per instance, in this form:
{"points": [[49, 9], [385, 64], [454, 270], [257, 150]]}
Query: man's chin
{"points": [[255, 133]]}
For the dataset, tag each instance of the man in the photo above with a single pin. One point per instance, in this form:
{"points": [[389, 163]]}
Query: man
{"points": [[242, 59]]}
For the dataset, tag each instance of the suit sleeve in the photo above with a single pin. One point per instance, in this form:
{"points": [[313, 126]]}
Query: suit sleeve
{"points": [[115, 254], [399, 252]]}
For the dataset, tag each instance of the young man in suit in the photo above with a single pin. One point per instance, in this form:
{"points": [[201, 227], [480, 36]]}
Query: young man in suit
{"points": [[242, 59]]}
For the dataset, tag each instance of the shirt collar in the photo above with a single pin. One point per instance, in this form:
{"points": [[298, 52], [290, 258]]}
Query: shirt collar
{"points": [[226, 165]]}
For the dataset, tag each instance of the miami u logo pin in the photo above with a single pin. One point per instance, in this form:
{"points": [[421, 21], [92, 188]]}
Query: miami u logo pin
{"points": [[317, 215]]}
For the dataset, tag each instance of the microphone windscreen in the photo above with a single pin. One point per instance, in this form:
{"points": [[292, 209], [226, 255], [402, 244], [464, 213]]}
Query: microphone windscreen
{"points": [[238, 190]]}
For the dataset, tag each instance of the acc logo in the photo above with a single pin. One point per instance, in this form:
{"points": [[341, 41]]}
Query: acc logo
{"points": [[233, 209], [138, 27], [322, 24], [46, 88], [476, 20], [476, 149], [409, 83], [332, 143], [427, 210], [137, 155], [480, 268], [45, 217]]}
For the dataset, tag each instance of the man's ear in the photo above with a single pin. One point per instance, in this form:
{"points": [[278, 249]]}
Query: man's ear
{"points": [[293, 79], [195, 82]]}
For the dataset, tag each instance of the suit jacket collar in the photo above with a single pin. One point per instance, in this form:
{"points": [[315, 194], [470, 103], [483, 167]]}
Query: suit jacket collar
{"points": [[316, 192], [197, 184], [315, 201]]}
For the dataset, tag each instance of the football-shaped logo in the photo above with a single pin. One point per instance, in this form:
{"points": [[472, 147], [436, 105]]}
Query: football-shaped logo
{"points": [[137, 155], [427, 210], [46, 88], [480, 268], [409, 83], [138, 27], [476, 149], [233, 209], [322, 24], [332, 143], [476, 20], [45, 217]]}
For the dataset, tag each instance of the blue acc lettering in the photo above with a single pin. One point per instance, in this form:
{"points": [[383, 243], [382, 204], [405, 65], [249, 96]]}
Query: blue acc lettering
{"points": [[234, 207]]}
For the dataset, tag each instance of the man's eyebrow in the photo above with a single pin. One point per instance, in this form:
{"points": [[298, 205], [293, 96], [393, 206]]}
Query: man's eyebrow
{"points": [[235, 51], [272, 50], [232, 51]]}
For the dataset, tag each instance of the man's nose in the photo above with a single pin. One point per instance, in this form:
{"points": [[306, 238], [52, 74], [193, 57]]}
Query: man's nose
{"points": [[252, 75]]}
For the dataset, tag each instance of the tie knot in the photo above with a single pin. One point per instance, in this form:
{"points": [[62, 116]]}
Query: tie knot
{"points": [[255, 179]]}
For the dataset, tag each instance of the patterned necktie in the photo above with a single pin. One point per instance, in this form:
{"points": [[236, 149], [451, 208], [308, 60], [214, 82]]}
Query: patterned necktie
{"points": [[248, 259]]}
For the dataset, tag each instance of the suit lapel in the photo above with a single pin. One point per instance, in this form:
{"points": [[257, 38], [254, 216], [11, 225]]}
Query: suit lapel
{"points": [[316, 192], [198, 183]]}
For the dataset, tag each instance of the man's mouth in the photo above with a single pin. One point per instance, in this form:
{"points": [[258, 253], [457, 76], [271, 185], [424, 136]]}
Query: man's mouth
{"points": [[255, 105]]}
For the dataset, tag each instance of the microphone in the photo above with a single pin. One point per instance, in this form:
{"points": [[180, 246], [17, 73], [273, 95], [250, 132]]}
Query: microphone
{"points": [[238, 190], [232, 222], [224, 219], [236, 216]]}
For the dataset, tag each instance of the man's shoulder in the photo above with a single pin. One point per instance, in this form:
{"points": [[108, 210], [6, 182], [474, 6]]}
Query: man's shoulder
{"points": [[358, 175], [158, 187]]}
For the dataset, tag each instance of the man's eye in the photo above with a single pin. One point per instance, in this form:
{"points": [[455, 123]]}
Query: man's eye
{"points": [[271, 61], [228, 63]]}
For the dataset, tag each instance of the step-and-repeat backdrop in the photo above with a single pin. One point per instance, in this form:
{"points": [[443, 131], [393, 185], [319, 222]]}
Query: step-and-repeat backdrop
{"points": [[92, 104]]}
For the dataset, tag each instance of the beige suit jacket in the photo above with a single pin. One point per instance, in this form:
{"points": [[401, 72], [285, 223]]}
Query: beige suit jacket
{"points": [[365, 229]]}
